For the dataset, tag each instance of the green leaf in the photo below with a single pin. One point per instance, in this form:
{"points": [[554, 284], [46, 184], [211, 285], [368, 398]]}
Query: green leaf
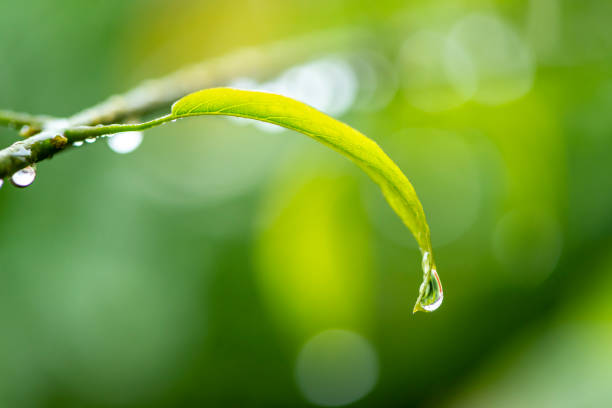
{"points": [[291, 114]]}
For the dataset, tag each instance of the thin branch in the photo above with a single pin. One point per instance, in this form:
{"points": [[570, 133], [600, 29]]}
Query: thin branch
{"points": [[59, 134], [31, 150], [153, 95], [81, 133], [18, 120], [47, 143]]}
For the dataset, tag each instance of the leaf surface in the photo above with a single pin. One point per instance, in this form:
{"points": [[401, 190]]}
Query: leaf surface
{"points": [[291, 114]]}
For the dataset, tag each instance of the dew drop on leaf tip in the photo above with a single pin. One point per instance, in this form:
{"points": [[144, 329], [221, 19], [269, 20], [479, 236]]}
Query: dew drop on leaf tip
{"points": [[431, 293], [434, 295], [24, 177]]}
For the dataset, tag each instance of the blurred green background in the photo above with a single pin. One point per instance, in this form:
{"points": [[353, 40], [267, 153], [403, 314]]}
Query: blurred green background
{"points": [[231, 265]]}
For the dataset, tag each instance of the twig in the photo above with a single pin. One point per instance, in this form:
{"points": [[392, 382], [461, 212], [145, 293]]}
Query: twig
{"points": [[57, 134], [18, 120], [49, 142], [153, 95]]}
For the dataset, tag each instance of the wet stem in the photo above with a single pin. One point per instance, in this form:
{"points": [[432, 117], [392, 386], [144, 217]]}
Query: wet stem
{"points": [[45, 136]]}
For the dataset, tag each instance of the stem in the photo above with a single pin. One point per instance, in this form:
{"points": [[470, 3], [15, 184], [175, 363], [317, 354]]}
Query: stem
{"points": [[153, 95], [17, 119], [58, 134], [84, 132], [47, 143]]}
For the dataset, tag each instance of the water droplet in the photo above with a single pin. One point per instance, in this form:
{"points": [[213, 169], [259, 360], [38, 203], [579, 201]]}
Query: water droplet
{"points": [[90, 139], [1, 182], [434, 295], [125, 142], [78, 143], [431, 293], [24, 177]]}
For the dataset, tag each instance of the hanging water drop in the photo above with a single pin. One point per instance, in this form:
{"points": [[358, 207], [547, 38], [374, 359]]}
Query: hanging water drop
{"points": [[431, 293], [78, 143], [1, 182], [24, 177], [90, 139], [125, 142]]}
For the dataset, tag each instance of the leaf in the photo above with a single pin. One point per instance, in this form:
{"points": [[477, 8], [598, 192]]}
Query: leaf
{"points": [[291, 114]]}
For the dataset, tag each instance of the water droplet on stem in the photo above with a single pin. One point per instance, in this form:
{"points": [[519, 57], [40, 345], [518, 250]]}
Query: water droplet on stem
{"points": [[24, 177], [78, 143], [125, 142], [90, 139]]}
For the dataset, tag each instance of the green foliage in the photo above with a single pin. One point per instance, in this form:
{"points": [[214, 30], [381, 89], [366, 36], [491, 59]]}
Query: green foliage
{"points": [[288, 113], [294, 115], [291, 114]]}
